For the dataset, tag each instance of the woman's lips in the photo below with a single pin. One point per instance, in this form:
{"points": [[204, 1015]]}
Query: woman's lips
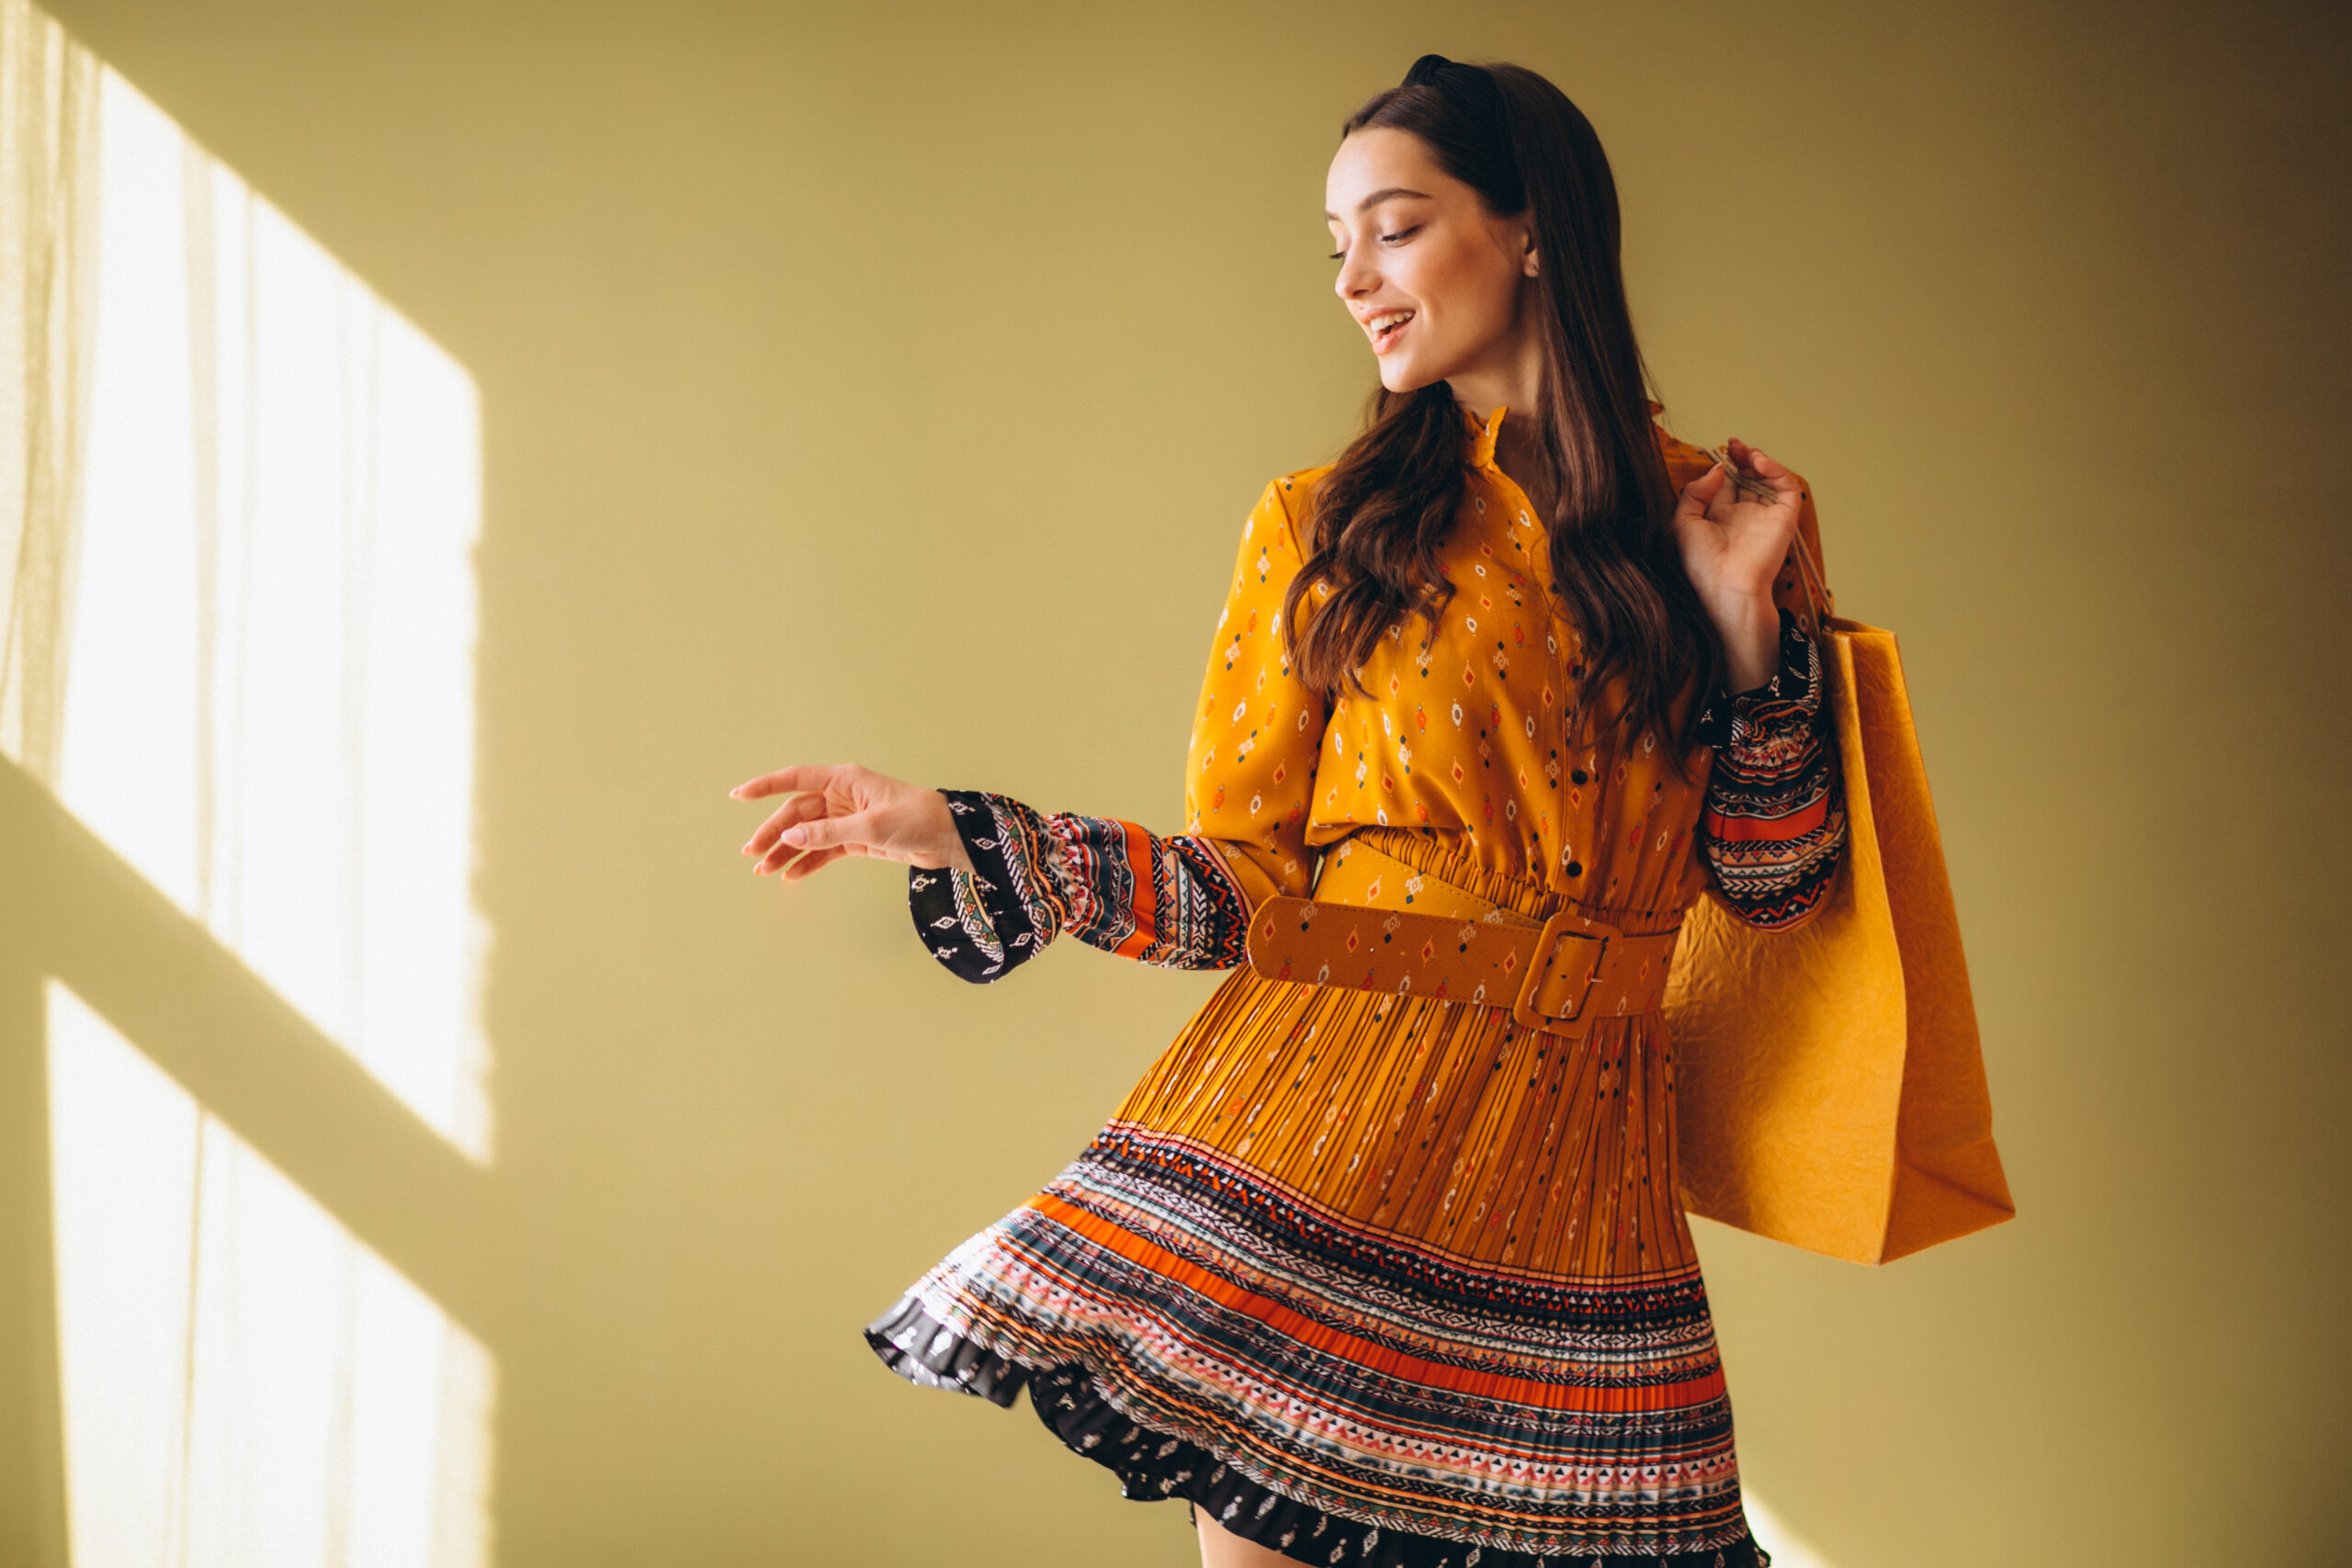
{"points": [[1386, 327]]}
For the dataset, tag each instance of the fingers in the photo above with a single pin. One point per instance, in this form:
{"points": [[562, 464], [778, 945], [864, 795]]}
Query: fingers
{"points": [[822, 839], [809, 832], [1699, 495], [856, 831], [1731, 492], [1760, 464], [1697, 529], [1754, 461], [775, 859], [801, 808], [812, 862], [784, 781]]}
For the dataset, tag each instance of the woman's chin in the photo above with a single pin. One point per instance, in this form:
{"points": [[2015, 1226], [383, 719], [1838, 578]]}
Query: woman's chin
{"points": [[1399, 375]]}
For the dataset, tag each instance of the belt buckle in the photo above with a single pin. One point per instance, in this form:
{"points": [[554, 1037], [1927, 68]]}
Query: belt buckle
{"points": [[1557, 933]]}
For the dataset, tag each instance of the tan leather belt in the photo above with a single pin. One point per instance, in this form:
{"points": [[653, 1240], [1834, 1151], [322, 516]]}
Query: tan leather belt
{"points": [[1377, 924]]}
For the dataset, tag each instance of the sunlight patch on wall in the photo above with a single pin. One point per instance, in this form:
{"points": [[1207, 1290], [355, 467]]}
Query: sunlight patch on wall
{"points": [[268, 705], [239, 647], [1787, 1551], [247, 1386]]}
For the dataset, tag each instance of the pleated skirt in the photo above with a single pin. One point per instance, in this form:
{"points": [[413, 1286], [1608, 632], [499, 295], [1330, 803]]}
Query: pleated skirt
{"points": [[1373, 1279]]}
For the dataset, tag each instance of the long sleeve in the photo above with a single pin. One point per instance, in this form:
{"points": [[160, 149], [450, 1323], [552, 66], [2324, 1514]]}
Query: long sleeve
{"points": [[1773, 826], [1180, 901]]}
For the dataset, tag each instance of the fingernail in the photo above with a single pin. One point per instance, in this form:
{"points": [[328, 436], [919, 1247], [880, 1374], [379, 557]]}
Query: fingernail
{"points": [[746, 849], [796, 836]]}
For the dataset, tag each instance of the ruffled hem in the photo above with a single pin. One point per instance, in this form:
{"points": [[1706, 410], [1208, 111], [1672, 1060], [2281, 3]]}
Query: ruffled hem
{"points": [[1153, 1466]]}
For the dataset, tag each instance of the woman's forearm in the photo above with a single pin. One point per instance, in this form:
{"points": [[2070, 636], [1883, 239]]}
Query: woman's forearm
{"points": [[1750, 632]]}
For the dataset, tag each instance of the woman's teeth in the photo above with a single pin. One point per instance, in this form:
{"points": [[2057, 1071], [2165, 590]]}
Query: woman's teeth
{"points": [[1385, 327]]}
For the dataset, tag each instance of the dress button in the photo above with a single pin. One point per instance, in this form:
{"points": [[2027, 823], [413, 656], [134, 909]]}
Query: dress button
{"points": [[1576, 775], [1576, 868]]}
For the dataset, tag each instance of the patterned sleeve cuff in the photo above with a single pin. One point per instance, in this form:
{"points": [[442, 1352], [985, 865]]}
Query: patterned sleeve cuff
{"points": [[985, 922], [1170, 902], [1773, 827], [1783, 709]]}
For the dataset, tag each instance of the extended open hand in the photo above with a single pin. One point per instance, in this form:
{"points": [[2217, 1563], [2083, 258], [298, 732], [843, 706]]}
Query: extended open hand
{"points": [[840, 809]]}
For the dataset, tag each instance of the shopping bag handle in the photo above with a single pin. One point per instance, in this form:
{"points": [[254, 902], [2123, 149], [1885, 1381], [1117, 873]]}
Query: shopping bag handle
{"points": [[1817, 592]]}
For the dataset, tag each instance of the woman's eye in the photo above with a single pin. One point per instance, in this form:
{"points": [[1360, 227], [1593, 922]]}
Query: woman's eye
{"points": [[1397, 239]]}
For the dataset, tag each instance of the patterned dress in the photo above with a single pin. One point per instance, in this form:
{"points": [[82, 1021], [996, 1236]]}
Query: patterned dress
{"points": [[1381, 1280]]}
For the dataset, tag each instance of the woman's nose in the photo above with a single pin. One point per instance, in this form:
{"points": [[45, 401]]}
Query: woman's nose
{"points": [[1355, 277]]}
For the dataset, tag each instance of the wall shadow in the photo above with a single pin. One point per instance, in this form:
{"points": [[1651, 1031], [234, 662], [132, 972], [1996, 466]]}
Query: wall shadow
{"points": [[76, 912]]}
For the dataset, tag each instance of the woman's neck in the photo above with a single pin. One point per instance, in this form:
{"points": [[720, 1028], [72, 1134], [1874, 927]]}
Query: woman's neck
{"points": [[1519, 453], [1511, 377]]}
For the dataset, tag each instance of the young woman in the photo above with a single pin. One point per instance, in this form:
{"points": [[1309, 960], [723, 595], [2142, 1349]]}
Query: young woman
{"points": [[1382, 1263]]}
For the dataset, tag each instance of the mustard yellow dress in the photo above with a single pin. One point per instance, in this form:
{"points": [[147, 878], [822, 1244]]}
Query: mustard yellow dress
{"points": [[1383, 1279]]}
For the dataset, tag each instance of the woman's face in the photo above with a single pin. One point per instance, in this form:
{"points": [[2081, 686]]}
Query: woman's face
{"points": [[1435, 280]]}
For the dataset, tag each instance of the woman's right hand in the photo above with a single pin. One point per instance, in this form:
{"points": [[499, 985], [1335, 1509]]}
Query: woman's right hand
{"points": [[843, 809]]}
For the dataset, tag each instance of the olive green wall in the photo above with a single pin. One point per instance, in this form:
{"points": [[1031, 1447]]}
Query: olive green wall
{"points": [[889, 383]]}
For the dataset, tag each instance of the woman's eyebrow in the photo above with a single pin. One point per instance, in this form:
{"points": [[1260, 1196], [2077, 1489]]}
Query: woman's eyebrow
{"points": [[1376, 197]]}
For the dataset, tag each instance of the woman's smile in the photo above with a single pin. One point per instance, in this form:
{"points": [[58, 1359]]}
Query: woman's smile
{"points": [[1386, 327]]}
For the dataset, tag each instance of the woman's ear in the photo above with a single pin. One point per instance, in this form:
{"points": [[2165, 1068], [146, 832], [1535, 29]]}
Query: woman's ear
{"points": [[1526, 254]]}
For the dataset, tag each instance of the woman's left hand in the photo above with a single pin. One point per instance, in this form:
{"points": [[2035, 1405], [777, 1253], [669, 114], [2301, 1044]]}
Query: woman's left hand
{"points": [[1733, 545]]}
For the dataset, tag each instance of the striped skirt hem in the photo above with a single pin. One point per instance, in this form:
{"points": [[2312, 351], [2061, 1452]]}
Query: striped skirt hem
{"points": [[1158, 1466], [1302, 1374]]}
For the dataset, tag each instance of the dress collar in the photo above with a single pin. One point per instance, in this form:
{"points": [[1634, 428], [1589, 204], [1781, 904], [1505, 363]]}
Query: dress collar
{"points": [[1483, 432]]}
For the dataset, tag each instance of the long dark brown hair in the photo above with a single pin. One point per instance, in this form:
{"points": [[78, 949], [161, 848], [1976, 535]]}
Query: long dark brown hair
{"points": [[1382, 514]]}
